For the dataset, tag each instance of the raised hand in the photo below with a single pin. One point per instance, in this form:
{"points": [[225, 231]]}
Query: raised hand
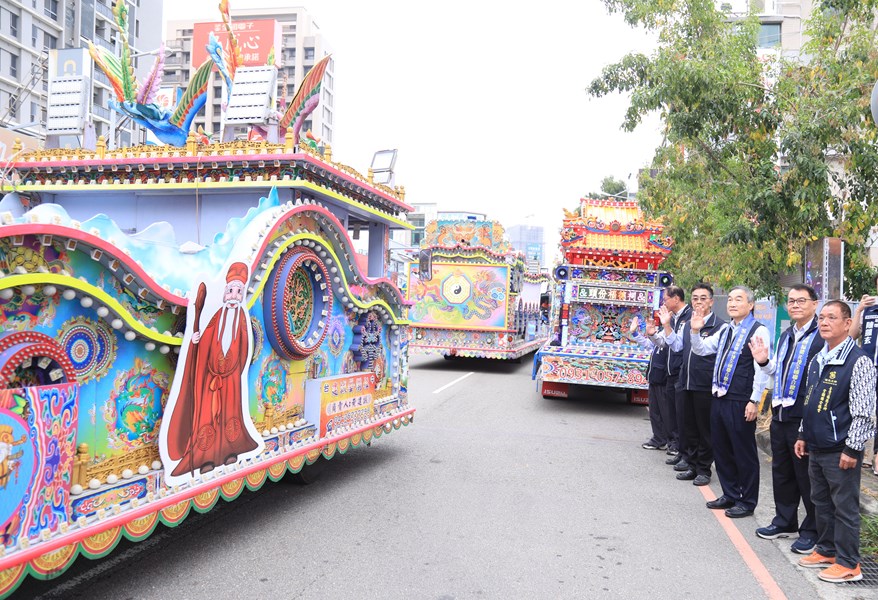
{"points": [[664, 316], [759, 349], [697, 321], [632, 328], [650, 328]]}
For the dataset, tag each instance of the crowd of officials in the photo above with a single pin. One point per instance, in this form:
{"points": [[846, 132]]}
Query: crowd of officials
{"points": [[707, 378]]}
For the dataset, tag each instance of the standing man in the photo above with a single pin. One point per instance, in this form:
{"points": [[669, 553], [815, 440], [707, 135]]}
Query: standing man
{"points": [[866, 323], [657, 376], [673, 315], [737, 387], [694, 384], [789, 473], [836, 424]]}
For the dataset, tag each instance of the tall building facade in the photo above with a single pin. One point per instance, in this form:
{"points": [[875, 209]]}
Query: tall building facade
{"points": [[29, 29], [781, 22], [301, 46], [530, 240]]}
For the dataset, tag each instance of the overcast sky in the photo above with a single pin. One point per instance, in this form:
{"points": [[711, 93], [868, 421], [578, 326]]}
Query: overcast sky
{"points": [[485, 101]]}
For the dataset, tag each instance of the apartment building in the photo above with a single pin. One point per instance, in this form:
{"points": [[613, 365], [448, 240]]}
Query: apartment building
{"points": [[29, 29], [295, 38]]}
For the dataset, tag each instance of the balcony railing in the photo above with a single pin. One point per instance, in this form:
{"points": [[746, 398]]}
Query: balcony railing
{"points": [[99, 41], [100, 111], [104, 10]]}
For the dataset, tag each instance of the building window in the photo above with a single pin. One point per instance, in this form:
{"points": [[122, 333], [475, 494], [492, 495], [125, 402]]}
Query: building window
{"points": [[50, 9], [34, 110], [309, 53], [51, 41], [13, 25], [34, 36], [769, 35], [13, 65]]}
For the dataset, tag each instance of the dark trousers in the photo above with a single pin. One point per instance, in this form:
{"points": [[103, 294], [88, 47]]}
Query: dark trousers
{"points": [[734, 451], [836, 496], [790, 480], [698, 446], [680, 412], [669, 408], [656, 418]]}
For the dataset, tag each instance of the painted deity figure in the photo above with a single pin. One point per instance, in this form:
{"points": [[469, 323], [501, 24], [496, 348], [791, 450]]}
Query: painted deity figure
{"points": [[208, 427], [8, 458]]}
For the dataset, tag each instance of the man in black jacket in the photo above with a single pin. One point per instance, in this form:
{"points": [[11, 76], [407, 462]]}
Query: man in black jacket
{"points": [[657, 376], [694, 384], [675, 313], [836, 424], [789, 474]]}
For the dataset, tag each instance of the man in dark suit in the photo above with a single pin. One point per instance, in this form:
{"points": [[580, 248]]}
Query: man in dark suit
{"points": [[789, 473]]}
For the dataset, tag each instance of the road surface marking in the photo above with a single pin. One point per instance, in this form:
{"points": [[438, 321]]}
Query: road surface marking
{"points": [[769, 585], [458, 380]]}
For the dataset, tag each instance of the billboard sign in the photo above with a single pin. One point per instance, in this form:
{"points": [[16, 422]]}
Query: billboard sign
{"points": [[256, 38]]}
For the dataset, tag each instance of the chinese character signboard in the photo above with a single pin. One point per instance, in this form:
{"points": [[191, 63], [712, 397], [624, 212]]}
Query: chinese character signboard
{"points": [[611, 295], [339, 402], [256, 38]]}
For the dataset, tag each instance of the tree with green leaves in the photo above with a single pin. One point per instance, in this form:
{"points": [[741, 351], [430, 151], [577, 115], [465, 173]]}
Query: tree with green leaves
{"points": [[761, 155], [610, 186]]}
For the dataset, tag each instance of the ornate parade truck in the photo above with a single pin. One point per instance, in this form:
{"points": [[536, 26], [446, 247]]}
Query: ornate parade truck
{"points": [[471, 294], [142, 378], [609, 275]]}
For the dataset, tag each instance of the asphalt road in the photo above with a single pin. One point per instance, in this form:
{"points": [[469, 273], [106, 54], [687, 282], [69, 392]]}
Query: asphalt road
{"points": [[493, 492]]}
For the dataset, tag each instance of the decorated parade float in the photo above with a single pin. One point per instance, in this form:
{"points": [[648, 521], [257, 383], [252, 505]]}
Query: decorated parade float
{"points": [[609, 275], [142, 378], [472, 295]]}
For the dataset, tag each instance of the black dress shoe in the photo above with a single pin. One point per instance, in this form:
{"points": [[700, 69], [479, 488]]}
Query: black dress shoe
{"points": [[682, 466], [673, 460], [738, 511], [686, 475], [721, 502], [701, 480]]}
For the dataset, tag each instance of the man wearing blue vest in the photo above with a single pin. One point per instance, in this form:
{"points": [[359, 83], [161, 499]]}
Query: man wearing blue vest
{"points": [[789, 473], [737, 387], [836, 424], [694, 383], [866, 323], [657, 376]]}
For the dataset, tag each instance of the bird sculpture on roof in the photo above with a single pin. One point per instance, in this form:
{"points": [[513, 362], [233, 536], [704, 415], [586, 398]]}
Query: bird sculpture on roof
{"points": [[136, 99]]}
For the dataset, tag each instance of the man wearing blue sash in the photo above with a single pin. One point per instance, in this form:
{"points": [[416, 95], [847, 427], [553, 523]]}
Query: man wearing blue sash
{"points": [[694, 383], [866, 322], [737, 387], [789, 474], [836, 424]]}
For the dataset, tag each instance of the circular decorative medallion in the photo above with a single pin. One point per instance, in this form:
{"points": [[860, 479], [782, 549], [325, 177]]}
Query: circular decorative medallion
{"points": [[80, 344], [258, 338], [90, 345], [297, 304]]}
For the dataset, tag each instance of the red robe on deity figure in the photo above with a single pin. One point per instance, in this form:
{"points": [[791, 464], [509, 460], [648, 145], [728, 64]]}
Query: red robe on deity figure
{"points": [[207, 425]]}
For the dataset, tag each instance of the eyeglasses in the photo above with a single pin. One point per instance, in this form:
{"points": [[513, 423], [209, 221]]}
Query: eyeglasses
{"points": [[799, 301]]}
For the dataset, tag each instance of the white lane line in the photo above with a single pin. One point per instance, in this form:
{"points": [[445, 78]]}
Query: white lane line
{"points": [[458, 380]]}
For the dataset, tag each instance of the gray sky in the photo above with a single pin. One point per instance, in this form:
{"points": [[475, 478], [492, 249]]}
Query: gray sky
{"points": [[485, 101]]}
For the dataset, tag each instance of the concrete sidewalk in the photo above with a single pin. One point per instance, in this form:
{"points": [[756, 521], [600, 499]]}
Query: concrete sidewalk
{"points": [[869, 484]]}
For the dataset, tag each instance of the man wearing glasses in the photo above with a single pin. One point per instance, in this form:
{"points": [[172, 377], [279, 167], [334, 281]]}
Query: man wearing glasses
{"points": [[866, 322], [694, 383], [836, 423], [789, 473]]}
